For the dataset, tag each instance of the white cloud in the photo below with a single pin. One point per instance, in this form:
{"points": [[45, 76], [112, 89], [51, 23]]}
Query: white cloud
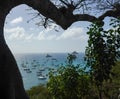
{"points": [[45, 35], [15, 33], [41, 36], [29, 37], [51, 37], [16, 29], [16, 20], [18, 33], [73, 33]]}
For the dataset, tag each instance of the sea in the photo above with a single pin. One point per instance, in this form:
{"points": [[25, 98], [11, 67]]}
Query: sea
{"points": [[35, 67]]}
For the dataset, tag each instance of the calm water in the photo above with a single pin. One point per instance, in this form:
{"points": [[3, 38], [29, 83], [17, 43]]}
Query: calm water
{"points": [[31, 64]]}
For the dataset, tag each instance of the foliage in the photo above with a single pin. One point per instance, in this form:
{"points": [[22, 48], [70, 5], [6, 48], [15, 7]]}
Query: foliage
{"points": [[111, 87], [103, 79], [103, 51], [71, 58], [116, 73], [70, 82], [39, 92], [85, 92]]}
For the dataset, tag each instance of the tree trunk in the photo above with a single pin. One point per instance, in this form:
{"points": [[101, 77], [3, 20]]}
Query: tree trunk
{"points": [[11, 84], [100, 91]]}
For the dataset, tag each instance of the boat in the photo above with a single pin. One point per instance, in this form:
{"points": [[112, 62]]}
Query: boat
{"points": [[54, 59], [41, 69], [42, 77], [26, 69], [23, 65], [39, 73], [29, 71]]}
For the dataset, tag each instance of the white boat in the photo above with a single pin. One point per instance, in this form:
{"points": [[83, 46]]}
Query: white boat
{"points": [[42, 77]]}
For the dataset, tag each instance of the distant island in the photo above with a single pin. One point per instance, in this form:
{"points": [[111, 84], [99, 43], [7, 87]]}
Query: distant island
{"points": [[48, 56], [74, 52]]}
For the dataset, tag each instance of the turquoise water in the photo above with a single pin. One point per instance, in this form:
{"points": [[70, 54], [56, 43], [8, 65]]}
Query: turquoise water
{"points": [[31, 64]]}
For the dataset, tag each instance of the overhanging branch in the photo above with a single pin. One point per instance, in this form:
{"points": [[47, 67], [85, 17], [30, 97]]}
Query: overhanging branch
{"points": [[110, 13], [49, 10]]}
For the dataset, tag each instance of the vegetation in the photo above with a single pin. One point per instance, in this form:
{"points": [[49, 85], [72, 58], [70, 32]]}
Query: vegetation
{"points": [[102, 52], [85, 89], [39, 92], [102, 81], [70, 82]]}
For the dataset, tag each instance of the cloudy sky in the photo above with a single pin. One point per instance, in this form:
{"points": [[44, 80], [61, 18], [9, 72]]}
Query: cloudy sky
{"points": [[24, 37]]}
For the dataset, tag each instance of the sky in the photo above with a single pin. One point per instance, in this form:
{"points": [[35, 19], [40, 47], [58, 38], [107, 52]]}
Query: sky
{"points": [[24, 37]]}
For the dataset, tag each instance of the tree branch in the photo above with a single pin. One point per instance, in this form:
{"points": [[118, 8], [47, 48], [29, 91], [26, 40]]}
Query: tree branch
{"points": [[86, 17], [110, 13], [65, 20], [63, 2], [49, 10]]}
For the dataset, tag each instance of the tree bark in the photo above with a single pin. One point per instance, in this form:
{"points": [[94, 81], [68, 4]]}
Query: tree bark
{"points": [[11, 84], [100, 89]]}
